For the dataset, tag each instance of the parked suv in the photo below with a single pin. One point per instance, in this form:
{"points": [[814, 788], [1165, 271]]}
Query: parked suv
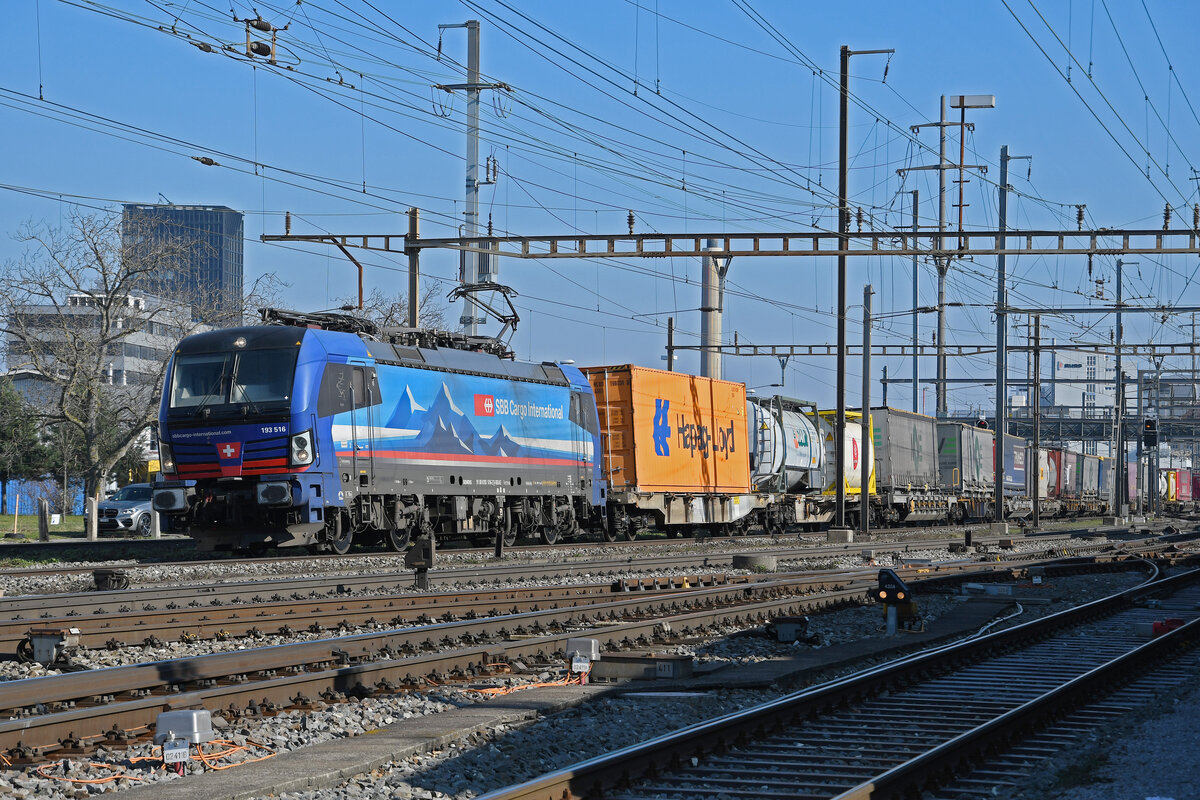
{"points": [[126, 511]]}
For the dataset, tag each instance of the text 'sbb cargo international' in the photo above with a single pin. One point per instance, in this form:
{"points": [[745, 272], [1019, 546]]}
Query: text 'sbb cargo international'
{"points": [[673, 444]]}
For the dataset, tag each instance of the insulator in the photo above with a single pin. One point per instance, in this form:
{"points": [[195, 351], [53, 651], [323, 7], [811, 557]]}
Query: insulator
{"points": [[260, 24], [630, 220], [1089, 265], [1167, 217], [1196, 217], [1079, 209], [259, 49]]}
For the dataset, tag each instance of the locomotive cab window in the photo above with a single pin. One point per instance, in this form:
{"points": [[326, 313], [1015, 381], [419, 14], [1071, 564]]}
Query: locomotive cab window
{"points": [[581, 413], [345, 387]]}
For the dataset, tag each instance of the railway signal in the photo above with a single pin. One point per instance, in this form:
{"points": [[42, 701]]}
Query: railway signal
{"points": [[891, 589], [897, 600], [1150, 433]]}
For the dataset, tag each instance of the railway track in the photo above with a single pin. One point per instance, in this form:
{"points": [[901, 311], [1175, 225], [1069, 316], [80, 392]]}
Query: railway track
{"points": [[69, 713], [249, 609], [810, 544], [911, 725]]}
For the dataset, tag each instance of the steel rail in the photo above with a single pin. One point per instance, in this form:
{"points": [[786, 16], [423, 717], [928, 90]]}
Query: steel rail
{"points": [[923, 771], [396, 610], [111, 705], [151, 625], [82, 707], [597, 776]]}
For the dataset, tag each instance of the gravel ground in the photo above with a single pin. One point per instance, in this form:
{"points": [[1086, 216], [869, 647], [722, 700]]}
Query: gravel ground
{"points": [[507, 755], [886, 553], [904, 544], [1154, 758]]}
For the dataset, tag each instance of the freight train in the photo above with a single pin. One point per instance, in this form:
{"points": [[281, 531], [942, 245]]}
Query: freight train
{"points": [[323, 430]]}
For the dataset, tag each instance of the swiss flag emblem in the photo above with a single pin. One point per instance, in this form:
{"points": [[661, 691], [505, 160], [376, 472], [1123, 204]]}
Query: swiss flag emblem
{"points": [[228, 451], [485, 405]]}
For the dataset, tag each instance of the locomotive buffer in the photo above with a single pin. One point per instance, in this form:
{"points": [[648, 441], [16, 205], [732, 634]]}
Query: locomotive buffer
{"points": [[897, 600]]}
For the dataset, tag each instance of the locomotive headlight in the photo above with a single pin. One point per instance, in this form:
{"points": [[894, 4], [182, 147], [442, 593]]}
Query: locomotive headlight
{"points": [[302, 449], [166, 461]]}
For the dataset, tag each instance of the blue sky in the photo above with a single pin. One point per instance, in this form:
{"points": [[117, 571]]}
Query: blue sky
{"points": [[702, 116]]}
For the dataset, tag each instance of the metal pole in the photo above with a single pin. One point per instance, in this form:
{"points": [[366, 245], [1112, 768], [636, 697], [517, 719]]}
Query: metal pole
{"points": [[1119, 411], [839, 428], [1001, 341], [916, 303], [1156, 507], [942, 266], [1142, 489], [885, 385], [414, 266], [1037, 421], [710, 316], [470, 325], [670, 344], [962, 165], [864, 450]]}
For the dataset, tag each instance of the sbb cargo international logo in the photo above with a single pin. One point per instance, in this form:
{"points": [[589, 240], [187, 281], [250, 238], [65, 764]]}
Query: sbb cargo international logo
{"points": [[485, 405]]}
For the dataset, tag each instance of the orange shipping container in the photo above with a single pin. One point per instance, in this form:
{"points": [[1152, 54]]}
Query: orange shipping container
{"points": [[670, 432]]}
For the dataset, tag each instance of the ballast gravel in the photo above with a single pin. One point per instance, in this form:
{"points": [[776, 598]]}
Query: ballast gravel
{"points": [[506, 755]]}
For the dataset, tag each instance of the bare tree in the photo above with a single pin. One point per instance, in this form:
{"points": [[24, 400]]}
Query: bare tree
{"points": [[73, 308], [391, 311]]}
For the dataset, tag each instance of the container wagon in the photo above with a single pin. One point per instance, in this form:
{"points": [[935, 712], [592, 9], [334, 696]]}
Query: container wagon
{"points": [[966, 467], [1107, 481], [1048, 488], [854, 448], [1017, 500], [673, 449], [1184, 495], [789, 461], [1088, 481], [906, 468]]}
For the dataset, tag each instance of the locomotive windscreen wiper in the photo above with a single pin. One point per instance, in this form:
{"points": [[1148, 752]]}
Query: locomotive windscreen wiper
{"points": [[210, 392], [242, 391]]}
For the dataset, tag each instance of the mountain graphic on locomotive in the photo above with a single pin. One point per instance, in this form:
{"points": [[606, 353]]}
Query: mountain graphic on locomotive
{"points": [[321, 430]]}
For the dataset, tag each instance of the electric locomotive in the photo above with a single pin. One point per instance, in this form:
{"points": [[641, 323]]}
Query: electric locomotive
{"points": [[321, 430]]}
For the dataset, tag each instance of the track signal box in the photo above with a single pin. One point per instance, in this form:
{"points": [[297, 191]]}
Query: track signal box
{"points": [[891, 589]]}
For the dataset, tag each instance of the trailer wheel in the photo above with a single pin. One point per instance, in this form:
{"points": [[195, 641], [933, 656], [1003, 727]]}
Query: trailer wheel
{"points": [[548, 534]]}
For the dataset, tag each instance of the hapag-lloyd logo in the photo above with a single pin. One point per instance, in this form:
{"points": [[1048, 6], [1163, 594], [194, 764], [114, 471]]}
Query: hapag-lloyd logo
{"points": [[662, 427], [691, 437]]}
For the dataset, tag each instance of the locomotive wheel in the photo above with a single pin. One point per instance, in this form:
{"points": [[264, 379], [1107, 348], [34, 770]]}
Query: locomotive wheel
{"points": [[25, 651], [672, 532], [341, 537], [397, 539], [548, 534]]}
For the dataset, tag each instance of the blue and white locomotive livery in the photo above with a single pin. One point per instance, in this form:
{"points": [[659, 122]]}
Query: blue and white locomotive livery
{"points": [[293, 435]]}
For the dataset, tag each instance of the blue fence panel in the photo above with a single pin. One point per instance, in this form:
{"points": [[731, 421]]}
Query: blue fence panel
{"points": [[28, 492]]}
